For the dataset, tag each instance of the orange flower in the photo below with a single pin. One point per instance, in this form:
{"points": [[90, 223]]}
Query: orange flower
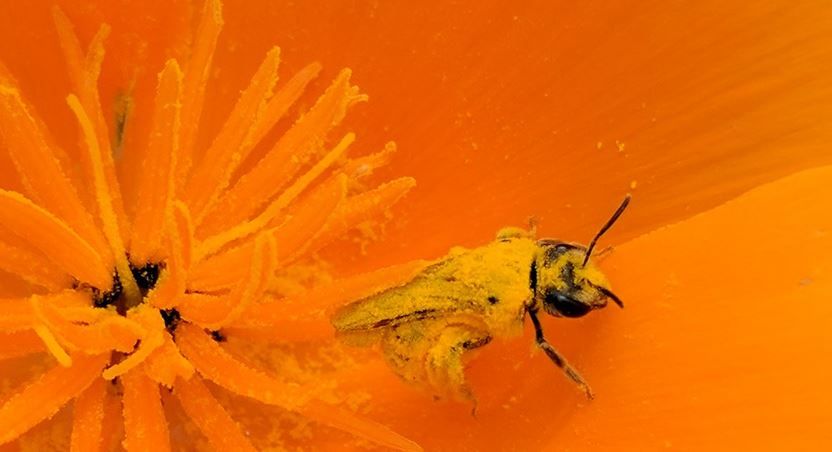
{"points": [[501, 112], [135, 268]]}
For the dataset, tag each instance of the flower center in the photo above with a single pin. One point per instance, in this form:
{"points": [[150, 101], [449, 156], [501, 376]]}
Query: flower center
{"points": [[146, 278]]}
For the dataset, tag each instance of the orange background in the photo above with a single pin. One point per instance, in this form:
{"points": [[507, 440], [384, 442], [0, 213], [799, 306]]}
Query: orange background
{"points": [[498, 111]]}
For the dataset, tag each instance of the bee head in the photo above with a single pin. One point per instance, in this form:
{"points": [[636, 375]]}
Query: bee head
{"points": [[564, 286], [564, 280]]}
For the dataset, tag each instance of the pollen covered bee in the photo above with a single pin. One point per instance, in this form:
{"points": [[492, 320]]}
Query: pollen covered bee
{"points": [[459, 303]]}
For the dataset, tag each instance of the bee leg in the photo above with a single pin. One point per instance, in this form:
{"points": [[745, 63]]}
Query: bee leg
{"points": [[430, 353], [556, 357], [404, 348], [444, 361]]}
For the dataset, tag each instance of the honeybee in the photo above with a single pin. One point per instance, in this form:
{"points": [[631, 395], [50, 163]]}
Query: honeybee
{"points": [[462, 301]]}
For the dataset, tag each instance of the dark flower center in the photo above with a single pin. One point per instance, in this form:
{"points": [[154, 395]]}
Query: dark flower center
{"points": [[146, 278]]}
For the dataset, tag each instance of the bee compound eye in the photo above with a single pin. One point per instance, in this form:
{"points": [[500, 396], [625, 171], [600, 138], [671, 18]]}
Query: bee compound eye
{"points": [[556, 302]]}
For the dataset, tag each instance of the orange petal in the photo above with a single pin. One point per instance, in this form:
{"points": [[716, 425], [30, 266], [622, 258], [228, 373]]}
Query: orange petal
{"points": [[20, 343], [43, 231], [156, 185], [341, 419], [722, 332], [43, 398], [145, 426], [211, 175], [287, 329], [16, 314], [278, 167], [215, 364], [211, 418], [87, 418]]}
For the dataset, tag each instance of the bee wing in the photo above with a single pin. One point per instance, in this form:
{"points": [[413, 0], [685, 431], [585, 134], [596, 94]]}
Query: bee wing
{"points": [[435, 291]]}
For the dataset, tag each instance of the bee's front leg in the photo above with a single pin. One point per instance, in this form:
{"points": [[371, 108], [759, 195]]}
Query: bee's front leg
{"points": [[556, 357]]}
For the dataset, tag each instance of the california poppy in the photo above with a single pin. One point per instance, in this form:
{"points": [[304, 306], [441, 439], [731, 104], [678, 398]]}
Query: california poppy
{"points": [[553, 110]]}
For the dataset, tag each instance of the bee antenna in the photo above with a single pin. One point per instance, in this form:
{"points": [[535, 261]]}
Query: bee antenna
{"points": [[608, 293], [604, 229]]}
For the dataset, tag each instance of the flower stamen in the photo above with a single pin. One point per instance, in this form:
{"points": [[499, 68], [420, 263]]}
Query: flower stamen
{"points": [[284, 160], [155, 188], [108, 216], [194, 82], [145, 294], [145, 425], [43, 231], [52, 345], [88, 416], [211, 175], [213, 244]]}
